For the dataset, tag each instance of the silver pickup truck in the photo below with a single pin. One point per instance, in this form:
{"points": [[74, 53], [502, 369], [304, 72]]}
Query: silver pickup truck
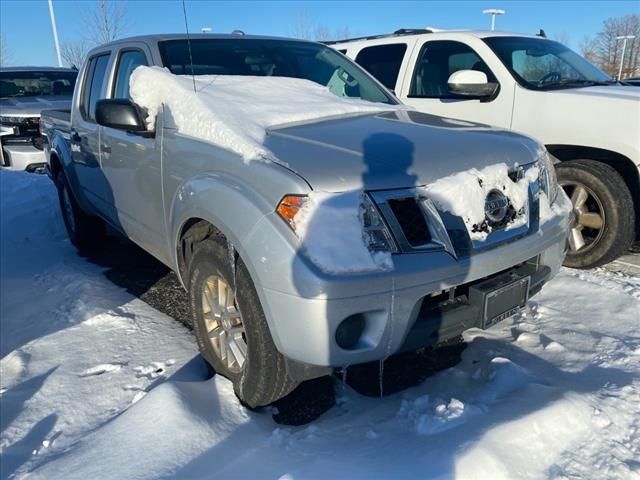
{"points": [[265, 314], [24, 92]]}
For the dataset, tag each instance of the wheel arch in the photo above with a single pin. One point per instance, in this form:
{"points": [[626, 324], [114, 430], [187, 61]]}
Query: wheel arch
{"points": [[622, 164]]}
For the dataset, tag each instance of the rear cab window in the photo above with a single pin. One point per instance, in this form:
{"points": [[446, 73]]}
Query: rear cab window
{"points": [[93, 85], [383, 62]]}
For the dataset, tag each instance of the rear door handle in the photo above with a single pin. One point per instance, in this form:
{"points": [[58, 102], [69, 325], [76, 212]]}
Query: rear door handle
{"points": [[105, 148]]}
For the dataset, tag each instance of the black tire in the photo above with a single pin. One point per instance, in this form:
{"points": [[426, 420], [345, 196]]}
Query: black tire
{"points": [[263, 377], [84, 230], [607, 193]]}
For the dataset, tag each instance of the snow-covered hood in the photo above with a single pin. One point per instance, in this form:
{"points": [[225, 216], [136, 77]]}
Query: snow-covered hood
{"points": [[32, 106], [393, 150]]}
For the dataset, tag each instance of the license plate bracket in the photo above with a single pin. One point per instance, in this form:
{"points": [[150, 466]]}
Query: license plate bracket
{"points": [[500, 298]]}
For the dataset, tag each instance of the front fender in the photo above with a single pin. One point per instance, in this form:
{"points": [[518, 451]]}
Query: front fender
{"points": [[222, 200]]}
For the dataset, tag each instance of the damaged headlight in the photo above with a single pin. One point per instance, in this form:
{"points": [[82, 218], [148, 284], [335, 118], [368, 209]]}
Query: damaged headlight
{"points": [[547, 176]]}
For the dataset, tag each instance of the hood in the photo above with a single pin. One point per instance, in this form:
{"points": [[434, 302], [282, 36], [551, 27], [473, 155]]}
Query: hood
{"points": [[32, 106], [397, 149], [609, 92]]}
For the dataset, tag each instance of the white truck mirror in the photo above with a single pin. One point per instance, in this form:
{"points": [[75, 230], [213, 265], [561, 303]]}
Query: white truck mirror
{"points": [[471, 83]]}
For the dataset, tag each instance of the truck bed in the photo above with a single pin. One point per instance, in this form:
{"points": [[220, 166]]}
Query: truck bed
{"points": [[58, 119]]}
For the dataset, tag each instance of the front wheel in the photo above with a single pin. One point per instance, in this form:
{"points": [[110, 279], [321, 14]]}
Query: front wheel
{"points": [[231, 328], [603, 209]]}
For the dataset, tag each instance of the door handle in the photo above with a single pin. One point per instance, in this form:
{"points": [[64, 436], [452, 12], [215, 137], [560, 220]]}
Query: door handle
{"points": [[105, 148], [75, 136]]}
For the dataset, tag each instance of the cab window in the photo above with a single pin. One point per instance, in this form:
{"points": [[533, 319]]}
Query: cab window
{"points": [[383, 62], [129, 60], [437, 61], [93, 86]]}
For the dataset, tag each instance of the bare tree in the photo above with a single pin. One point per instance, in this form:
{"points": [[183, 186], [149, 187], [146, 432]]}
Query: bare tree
{"points": [[342, 33], [303, 26], [322, 33], [106, 22], [5, 56], [75, 52], [605, 50], [306, 28]]}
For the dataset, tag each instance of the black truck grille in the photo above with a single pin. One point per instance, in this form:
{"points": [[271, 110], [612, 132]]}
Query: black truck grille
{"points": [[411, 220], [27, 131]]}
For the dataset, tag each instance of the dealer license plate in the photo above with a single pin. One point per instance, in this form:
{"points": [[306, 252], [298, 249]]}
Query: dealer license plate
{"points": [[505, 301]]}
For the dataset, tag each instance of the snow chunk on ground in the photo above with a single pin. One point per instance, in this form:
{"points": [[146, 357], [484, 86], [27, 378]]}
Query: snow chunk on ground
{"points": [[331, 229], [463, 194], [233, 111]]}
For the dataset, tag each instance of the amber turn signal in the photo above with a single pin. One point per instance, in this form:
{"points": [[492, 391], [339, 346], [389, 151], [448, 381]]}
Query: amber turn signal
{"points": [[289, 207]]}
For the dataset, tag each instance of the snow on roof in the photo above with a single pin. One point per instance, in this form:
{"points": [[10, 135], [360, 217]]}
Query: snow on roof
{"points": [[234, 112]]}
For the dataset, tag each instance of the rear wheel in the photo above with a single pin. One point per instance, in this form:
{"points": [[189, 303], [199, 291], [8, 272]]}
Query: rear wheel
{"points": [[83, 229], [230, 326], [603, 209]]}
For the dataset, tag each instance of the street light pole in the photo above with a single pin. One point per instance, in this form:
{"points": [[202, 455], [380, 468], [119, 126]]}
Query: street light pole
{"points": [[624, 39], [493, 12], [55, 32]]}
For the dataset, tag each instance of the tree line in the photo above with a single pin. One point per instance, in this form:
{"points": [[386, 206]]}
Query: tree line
{"points": [[605, 50]]}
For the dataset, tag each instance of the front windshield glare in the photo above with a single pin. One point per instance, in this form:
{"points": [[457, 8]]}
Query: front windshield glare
{"points": [[278, 58], [544, 64]]}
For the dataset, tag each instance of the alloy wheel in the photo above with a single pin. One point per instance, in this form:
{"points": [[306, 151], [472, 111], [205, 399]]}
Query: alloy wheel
{"points": [[223, 321], [589, 223]]}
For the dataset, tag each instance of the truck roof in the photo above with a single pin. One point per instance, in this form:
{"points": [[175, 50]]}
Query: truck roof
{"points": [[36, 69], [413, 32], [193, 36]]}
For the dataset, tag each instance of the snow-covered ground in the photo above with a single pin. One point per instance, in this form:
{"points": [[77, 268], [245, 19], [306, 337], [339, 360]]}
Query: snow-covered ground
{"points": [[97, 384]]}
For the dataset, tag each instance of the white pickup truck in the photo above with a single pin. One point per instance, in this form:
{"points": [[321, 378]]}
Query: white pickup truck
{"points": [[589, 122]]}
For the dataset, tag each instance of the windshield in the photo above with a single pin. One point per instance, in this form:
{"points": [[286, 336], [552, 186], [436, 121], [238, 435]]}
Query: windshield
{"points": [[544, 64], [278, 58], [37, 84]]}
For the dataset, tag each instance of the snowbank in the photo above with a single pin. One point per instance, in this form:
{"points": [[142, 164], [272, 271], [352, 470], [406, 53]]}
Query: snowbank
{"points": [[330, 227], [234, 112], [463, 194]]}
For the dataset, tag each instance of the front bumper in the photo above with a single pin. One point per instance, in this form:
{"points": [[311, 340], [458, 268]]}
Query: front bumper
{"points": [[22, 157], [304, 324]]}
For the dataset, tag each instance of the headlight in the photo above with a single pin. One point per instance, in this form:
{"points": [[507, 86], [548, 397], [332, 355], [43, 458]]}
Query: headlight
{"points": [[6, 120], [375, 233], [547, 177]]}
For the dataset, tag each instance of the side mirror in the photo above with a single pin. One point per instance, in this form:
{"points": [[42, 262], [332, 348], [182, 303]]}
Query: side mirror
{"points": [[471, 83], [121, 114]]}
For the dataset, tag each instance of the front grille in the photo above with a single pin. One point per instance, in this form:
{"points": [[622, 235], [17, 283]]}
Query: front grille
{"points": [[411, 220], [27, 131]]}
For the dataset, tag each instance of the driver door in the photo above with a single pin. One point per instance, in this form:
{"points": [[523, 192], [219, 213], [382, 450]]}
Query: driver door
{"points": [[426, 88], [131, 164]]}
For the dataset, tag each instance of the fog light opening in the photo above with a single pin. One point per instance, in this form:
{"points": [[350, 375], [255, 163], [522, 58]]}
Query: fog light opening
{"points": [[350, 330]]}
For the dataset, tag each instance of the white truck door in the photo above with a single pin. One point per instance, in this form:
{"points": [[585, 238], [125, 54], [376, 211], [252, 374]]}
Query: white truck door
{"points": [[425, 84]]}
